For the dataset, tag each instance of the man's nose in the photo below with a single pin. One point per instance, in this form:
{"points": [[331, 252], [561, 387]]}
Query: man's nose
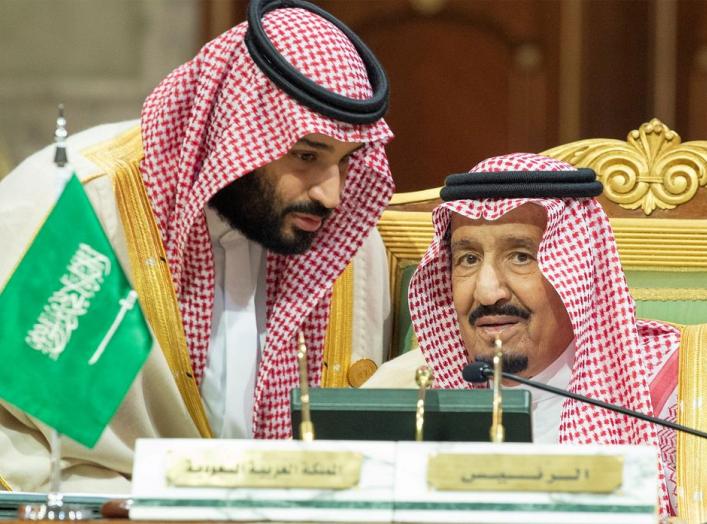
{"points": [[327, 188], [491, 286]]}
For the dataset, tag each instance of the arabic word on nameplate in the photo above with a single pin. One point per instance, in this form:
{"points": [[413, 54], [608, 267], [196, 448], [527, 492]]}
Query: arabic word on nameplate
{"points": [[513, 472], [264, 469]]}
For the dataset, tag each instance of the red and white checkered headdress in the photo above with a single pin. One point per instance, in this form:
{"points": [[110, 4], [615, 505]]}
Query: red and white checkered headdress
{"points": [[615, 353], [217, 118]]}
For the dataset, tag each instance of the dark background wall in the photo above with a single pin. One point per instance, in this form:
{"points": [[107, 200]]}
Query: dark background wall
{"points": [[470, 78], [475, 78]]}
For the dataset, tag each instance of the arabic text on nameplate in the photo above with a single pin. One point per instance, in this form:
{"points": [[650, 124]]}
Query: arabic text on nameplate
{"points": [[513, 472], [216, 467]]}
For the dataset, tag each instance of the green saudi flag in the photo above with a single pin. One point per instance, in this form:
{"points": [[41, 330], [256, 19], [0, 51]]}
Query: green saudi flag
{"points": [[73, 336]]}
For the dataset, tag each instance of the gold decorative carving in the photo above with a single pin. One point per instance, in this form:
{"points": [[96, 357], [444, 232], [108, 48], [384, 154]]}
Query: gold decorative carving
{"points": [[652, 169]]}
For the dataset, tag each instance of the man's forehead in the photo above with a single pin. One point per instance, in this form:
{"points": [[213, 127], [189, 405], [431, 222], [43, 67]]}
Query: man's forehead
{"points": [[524, 225], [529, 214]]}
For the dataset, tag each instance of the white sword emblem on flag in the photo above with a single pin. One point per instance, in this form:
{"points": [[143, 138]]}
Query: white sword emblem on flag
{"points": [[126, 304]]}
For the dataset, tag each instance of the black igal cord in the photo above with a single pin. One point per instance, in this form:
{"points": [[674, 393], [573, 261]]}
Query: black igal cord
{"points": [[576, 183], [301, 88], [477, 372]]}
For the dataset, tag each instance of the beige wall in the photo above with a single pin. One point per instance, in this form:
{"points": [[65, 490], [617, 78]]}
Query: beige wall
{"points": [[99, 57]]}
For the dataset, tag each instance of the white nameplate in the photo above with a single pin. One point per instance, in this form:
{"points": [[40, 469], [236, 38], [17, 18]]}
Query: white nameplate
{"points": [[402, 482], [421, 497], [263, 480]]}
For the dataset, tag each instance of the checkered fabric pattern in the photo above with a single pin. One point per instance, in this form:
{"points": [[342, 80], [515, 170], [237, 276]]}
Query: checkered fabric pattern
{"points": [[616, 355], [217, 118]]}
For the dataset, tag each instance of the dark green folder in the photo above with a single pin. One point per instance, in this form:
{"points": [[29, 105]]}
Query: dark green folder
{"points": [[389, 414]]}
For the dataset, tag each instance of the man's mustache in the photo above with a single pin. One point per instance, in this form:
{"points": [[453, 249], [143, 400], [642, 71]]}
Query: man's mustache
{"points": [[512, 363], [308, 208], [498, 310]]}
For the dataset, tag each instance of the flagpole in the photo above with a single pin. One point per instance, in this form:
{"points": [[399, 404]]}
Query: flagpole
{"points": [[55, 498], [54, 508]]}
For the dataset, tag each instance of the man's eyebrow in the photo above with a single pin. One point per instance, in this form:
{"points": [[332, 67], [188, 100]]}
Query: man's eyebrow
{"points": [[463, 243], [506, 240], [315, 144], [323, 146], [519, 241]]}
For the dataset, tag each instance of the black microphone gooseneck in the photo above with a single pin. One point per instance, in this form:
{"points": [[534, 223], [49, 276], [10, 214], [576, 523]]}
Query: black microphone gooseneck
{"points": [[477, 372]]}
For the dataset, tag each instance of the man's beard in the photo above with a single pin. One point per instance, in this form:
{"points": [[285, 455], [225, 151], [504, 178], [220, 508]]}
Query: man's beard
{"points": [[511, 363], [251, 205]]}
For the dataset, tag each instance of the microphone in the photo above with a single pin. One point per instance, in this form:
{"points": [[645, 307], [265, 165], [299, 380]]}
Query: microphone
{"points": [[478, 372]]}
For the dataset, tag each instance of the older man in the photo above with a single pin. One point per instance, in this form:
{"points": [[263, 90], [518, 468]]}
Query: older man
{"points": [[234, 207], [522, 252]]}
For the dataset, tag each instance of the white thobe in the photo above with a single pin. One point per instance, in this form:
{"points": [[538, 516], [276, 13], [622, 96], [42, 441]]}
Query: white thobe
{"points": [[237, 330], [546, 406]]}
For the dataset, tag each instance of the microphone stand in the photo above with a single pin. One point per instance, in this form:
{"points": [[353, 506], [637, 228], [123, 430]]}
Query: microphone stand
{"points": [[306, 428], [497, 432], [424, 378], [486, 371]]}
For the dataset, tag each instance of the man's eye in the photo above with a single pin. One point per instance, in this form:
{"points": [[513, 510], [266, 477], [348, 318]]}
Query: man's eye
{"points": [[522, 258], [467, 259], [305, 156]]}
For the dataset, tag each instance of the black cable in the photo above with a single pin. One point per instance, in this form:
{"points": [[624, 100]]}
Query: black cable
{"points": [[475, 370]]}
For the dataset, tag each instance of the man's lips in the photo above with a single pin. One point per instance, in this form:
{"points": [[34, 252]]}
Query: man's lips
{"points": [[492, 325], [306, 221], [497, 320]]}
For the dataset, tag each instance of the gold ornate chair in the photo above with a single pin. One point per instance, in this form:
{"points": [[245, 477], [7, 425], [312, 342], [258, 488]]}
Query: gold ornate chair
{"points": [[655, 193]]}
